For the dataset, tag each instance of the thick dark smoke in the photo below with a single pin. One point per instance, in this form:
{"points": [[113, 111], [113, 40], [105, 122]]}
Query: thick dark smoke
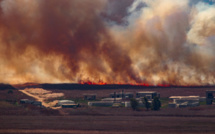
{"points": [[116, 11], [114, 41], [72, 30]]}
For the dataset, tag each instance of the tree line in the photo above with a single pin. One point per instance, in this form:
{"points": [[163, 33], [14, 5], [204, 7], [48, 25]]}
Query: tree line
{"points": [[155, 105]]}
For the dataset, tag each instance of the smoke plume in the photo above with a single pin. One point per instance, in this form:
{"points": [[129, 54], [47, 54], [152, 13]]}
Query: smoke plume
{"points": [[123, 41]]}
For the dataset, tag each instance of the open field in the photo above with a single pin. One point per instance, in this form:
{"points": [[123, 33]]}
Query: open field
{"points": [[164, 92], [77, 90], [108, 124], [25, 119]]}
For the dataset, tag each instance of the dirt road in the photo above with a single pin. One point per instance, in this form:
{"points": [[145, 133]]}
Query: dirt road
{"points": [[38, 98]]}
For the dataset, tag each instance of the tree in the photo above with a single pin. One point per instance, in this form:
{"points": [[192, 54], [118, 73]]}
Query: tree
{"points": [[156, 104], [134, 104], [146, 103], [10, 91]]}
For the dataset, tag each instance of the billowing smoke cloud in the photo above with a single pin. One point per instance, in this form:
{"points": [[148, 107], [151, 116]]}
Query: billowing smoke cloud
{"points": [[116, 11], [125, 41], [172, 41]]}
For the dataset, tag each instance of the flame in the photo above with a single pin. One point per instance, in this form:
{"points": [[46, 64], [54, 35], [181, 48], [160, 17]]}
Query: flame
{"points": [[88, 82], [93, 83]]}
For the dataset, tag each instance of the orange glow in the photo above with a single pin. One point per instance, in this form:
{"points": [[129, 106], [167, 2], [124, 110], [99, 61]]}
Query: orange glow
{"points": [[120, 83], [92, 83], [163, 85]]}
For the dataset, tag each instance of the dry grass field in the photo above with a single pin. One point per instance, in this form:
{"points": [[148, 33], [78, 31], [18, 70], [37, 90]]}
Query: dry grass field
{"points": [[26, 119], [164, 92], [107, 124]]}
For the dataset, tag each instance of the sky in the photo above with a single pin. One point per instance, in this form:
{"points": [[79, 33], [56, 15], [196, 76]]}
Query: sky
{"points": [[108, 41]]}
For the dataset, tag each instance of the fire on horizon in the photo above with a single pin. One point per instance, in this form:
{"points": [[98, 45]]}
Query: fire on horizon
{"points": [[151, 42]]}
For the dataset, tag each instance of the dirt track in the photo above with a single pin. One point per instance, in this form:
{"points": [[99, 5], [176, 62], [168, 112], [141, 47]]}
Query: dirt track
{"points": [[41, 99]]}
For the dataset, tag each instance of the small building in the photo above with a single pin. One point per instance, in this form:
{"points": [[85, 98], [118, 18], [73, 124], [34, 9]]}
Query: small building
{"points": [[65, 102], [111, 99], [127, 104], [89, 97], [117, 105], [37, 103], [116, 95], [100, 104], [70, 105], [149, 94], [172, 105], [172, 98], [183, 101], [129, 95], [210, 97], [25, 101], [121, 95]]}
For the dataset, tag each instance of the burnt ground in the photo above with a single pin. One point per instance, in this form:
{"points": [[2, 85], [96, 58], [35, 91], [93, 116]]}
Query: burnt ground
{"points": [[24, 119]]}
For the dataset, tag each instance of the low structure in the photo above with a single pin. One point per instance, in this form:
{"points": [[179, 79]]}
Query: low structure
{"points": [[111, 99], [105, 102], [67, 104], [100, 103], [37, 103], [129, 95], [127, 104], [183, 101], [89, 97], [70, 105], [27, 101], [121, 95], [172, 105], [210, 97], [149, 94], [117, 105]]}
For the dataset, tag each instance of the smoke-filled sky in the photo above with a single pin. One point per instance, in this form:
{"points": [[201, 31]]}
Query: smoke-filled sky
{"points": [[113, 41]]}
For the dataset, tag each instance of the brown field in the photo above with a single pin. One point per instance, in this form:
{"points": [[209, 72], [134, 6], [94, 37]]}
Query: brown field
{"points": [[26, 119], [108, 124], [164, 92]]}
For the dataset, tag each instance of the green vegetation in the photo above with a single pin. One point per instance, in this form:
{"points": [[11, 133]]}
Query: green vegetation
{"points": [[156, 104], [202, 103], [80, 100], [164, 102], [146, 103], [5, 104], [134, 104]]}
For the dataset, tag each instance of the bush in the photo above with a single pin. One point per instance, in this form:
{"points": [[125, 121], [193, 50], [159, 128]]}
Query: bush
{"points": [[134, 104], [156, 104], [10, 91], [146, 103]]}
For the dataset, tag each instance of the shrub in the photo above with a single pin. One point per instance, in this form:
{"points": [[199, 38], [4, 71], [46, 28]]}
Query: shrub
{"points": [[156, 104], [146, 103], [134, 104], [10, 91]]}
